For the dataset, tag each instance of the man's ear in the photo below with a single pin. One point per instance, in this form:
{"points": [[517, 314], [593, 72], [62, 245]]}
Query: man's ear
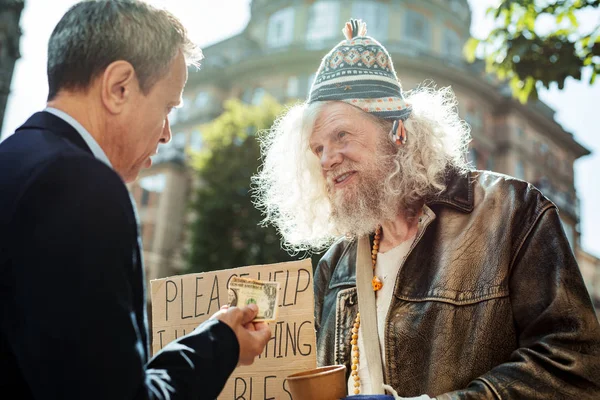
{"points": [[118, 83]]}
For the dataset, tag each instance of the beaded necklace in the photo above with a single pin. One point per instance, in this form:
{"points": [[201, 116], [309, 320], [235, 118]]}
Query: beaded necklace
{"points": [[377, 285]]}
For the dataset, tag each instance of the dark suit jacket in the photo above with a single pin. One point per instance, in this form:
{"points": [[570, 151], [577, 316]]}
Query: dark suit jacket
{"points": [[72, 291]]}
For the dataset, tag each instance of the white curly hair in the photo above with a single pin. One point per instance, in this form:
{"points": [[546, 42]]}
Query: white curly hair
{"points": [[290, 190]]}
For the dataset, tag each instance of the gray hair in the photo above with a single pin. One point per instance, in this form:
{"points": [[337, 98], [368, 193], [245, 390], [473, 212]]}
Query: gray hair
{"points": [[290, 190], [95, 33]]}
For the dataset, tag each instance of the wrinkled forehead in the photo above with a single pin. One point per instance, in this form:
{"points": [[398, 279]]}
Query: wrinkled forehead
{"points": [[332, 116]]}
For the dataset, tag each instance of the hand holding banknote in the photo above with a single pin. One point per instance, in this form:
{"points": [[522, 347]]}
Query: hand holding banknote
{"points": [[252, 335]]}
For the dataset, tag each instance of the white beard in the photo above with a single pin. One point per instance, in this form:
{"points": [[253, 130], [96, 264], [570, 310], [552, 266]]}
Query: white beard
{"points": [[358, 208]]}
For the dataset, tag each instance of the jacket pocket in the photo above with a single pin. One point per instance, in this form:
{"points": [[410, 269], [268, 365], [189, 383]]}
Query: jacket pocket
{"points": [[346, 307], [463, 297]]}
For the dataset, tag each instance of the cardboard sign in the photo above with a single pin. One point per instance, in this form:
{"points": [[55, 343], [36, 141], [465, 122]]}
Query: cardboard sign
{"points": [[181, 303]]}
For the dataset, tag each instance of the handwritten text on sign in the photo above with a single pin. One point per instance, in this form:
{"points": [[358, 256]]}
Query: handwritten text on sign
{"points": [[181, 303]]}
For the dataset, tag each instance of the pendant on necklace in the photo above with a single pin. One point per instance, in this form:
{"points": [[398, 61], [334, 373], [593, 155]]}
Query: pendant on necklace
{"points": [[376, 282]]}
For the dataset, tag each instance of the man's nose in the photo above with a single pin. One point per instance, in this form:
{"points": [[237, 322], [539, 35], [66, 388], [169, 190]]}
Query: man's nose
{"points": [[330, 158], [166, 134]]}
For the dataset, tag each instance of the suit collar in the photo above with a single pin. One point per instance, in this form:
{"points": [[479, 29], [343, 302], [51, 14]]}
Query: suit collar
{"points": [[45, 121]]}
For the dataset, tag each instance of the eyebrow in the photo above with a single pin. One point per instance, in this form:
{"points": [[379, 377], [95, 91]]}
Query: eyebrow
{"points": [[333, 126]]}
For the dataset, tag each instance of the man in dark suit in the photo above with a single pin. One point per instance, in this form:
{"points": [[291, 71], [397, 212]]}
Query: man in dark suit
{"points": [[73, 321]]}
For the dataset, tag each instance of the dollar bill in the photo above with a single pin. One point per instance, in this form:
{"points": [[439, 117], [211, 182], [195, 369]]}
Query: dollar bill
{"points": [[245, 291]]}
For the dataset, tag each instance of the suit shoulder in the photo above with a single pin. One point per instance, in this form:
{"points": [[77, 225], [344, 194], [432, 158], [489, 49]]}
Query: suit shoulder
{"points": [[76, 187], [28, 153], [74, 171], [72, 180]]}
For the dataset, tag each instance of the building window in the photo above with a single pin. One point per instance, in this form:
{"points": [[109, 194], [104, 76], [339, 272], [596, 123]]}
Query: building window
{"points": [[520, 170], [145, 199], [418, 28], [569, 232], [458, 7], [567, 167], [490, 163], [376, 16], [154, 183], [147, 234], [280, 31], [451, 44], [292, 86], [473, 156], [474, 119], [322, 23], [551, 161]]}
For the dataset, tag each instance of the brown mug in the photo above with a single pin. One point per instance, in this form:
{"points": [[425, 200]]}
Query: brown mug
{"points": [[323, 383]]}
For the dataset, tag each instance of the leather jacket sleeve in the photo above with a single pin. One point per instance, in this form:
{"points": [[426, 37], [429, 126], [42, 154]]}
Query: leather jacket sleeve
{"points": [[557, 331]]}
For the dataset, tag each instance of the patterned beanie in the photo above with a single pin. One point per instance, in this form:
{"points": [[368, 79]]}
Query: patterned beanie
{"points": [[359, 71]]}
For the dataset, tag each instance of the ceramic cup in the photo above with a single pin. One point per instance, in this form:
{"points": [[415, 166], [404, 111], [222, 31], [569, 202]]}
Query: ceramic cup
{"points": [[323, 383]]}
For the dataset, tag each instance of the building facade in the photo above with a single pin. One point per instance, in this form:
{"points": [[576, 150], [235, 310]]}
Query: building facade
{"points": [[278, 53], [590, 269], [10, 35]]}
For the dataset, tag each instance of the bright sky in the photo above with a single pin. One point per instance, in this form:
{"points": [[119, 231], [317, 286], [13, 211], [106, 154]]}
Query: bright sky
{"points": [[209, 21]]}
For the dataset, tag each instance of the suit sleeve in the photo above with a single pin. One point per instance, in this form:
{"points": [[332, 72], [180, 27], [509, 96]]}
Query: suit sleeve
{"points": [[558, 333], [75, 331]]}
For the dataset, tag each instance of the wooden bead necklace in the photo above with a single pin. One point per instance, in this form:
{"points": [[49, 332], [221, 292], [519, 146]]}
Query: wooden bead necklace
{"points": [[376, 282], [377, 285]]}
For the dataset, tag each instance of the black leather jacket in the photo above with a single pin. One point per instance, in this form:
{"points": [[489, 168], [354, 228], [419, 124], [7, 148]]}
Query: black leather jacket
{"points": [[489, 304]]}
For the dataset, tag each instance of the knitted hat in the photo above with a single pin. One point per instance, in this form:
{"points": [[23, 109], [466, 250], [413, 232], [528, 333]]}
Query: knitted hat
{"points": [[360, 72]]}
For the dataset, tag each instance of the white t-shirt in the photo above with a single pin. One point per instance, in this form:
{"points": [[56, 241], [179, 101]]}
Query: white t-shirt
{"points": [[387, 268]]}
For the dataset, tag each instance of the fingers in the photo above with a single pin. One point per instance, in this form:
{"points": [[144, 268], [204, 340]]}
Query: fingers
{"points": [[250, 326], [262, 332], [253, 341], [261, 326], [248, 313]]}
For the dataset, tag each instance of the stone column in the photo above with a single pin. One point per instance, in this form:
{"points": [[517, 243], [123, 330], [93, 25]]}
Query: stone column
{"points": [[10, 34]]}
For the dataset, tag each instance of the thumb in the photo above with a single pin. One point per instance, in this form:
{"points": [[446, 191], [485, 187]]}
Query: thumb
{"points": [[249, 313]]}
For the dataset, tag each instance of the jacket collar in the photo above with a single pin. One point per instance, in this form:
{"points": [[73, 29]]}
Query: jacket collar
{"points": [[458, 193], [45, 121]]}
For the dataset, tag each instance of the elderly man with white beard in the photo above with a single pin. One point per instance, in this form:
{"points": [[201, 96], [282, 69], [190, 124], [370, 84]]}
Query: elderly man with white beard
{"points": [[439, 280]]}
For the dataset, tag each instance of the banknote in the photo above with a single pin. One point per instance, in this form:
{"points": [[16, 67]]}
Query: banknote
{"points": [[244, 291]]}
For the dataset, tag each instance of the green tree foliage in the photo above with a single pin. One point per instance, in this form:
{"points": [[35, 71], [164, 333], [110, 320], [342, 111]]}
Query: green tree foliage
{"points": [[226, 232], [517, 52]]}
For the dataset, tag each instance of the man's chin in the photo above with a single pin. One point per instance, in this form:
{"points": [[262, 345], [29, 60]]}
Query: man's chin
{"points": [[132, 174], [343, 201]]}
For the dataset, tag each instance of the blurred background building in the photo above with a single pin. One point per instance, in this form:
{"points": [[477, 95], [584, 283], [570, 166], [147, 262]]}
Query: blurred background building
{"points": [[10, 33]]}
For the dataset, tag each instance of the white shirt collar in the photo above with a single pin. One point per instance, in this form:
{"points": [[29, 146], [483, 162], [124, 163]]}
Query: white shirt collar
{"points": [[85, 135]]}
